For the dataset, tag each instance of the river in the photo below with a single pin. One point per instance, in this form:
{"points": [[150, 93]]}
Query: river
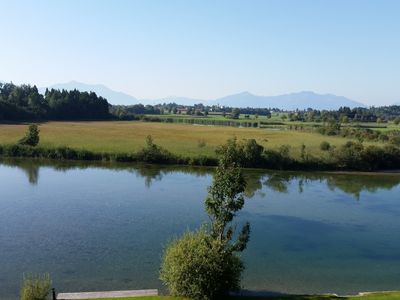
{"points": [[103, 226]]}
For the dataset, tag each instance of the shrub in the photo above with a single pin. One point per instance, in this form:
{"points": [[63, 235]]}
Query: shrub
{"points": [[246, 153], [284, 151], [201, 143], [31, 137], [276, 160], [201, 160], [373, 157], [153, 153], [35, 287], [325, 146], [383, 137], [348, 156], [395, 140], [252, 153], [230, 151], [391, 156], [303, 153], [194, 267]]}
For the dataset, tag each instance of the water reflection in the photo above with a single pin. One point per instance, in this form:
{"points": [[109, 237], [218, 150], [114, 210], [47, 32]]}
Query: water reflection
{"points": [[97, 226], [352, 184], [279, 182], [257, 180]]}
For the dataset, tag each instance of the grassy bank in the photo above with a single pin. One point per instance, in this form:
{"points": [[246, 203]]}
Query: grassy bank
{"points": [[196, 145], [371, 296]]}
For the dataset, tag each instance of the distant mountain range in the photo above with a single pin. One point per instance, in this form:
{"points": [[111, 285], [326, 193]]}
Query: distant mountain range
{"points": [[300, 100], [112, 96]]}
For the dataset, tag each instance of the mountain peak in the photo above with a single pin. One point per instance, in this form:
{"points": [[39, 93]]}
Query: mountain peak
{"points": [[113, 97], [306, 92], [292, 101], [245, 93], [81, 84]]}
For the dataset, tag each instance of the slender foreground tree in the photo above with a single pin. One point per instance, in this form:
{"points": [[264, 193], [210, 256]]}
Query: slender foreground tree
{"points": [[225, 199], [205, 264]]}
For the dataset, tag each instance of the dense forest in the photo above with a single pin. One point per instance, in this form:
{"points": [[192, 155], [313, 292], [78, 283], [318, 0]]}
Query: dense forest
{"points": [[25, 103]]}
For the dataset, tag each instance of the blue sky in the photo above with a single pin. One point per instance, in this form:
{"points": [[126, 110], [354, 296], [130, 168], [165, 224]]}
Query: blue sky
{"points": [[206, 49]]}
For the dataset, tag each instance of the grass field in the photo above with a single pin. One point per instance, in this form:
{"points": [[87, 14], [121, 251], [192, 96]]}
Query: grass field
{"points": [[277, 118], [183, 139], [372, 296]]}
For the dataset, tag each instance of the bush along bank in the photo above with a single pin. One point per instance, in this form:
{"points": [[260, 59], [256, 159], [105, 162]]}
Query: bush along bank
{"points": [[151, 153], [353, 156]]}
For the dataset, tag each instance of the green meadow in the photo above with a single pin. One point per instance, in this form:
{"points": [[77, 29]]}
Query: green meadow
{"points": [[182, 139]]}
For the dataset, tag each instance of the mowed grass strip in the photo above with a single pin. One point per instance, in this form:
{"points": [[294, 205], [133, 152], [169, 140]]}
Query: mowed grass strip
{"points": [[372, 296], [183, 139]]}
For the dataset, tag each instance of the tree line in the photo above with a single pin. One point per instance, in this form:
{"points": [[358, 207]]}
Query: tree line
{"points": [[347, 115], [25, 103], [343, 114], [130, 112]]}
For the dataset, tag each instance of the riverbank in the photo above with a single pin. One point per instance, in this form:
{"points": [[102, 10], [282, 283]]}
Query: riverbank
{"points": [[361, 296], [188, 145], [349, 160]]}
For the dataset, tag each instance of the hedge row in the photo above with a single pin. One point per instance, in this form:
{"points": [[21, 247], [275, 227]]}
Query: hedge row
{"points": [[351, 156]]}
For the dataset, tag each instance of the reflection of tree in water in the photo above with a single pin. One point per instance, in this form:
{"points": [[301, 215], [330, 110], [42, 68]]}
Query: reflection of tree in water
{"points": [[301, 185], [254, 183], [29, 167], [352, 184], [355, 184], [153, 173], [32, 172], [150, 174], [277, 181]]}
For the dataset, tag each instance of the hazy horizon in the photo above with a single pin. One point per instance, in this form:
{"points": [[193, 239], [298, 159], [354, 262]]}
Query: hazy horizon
{"points": [[205, 49], [183, 96]]}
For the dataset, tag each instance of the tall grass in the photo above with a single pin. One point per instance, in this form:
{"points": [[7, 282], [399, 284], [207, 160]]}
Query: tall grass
{"points": [[35, 287], [180, 139]]}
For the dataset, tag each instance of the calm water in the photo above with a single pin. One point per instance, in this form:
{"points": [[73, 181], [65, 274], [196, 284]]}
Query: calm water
{"points": [[103, 228]]}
